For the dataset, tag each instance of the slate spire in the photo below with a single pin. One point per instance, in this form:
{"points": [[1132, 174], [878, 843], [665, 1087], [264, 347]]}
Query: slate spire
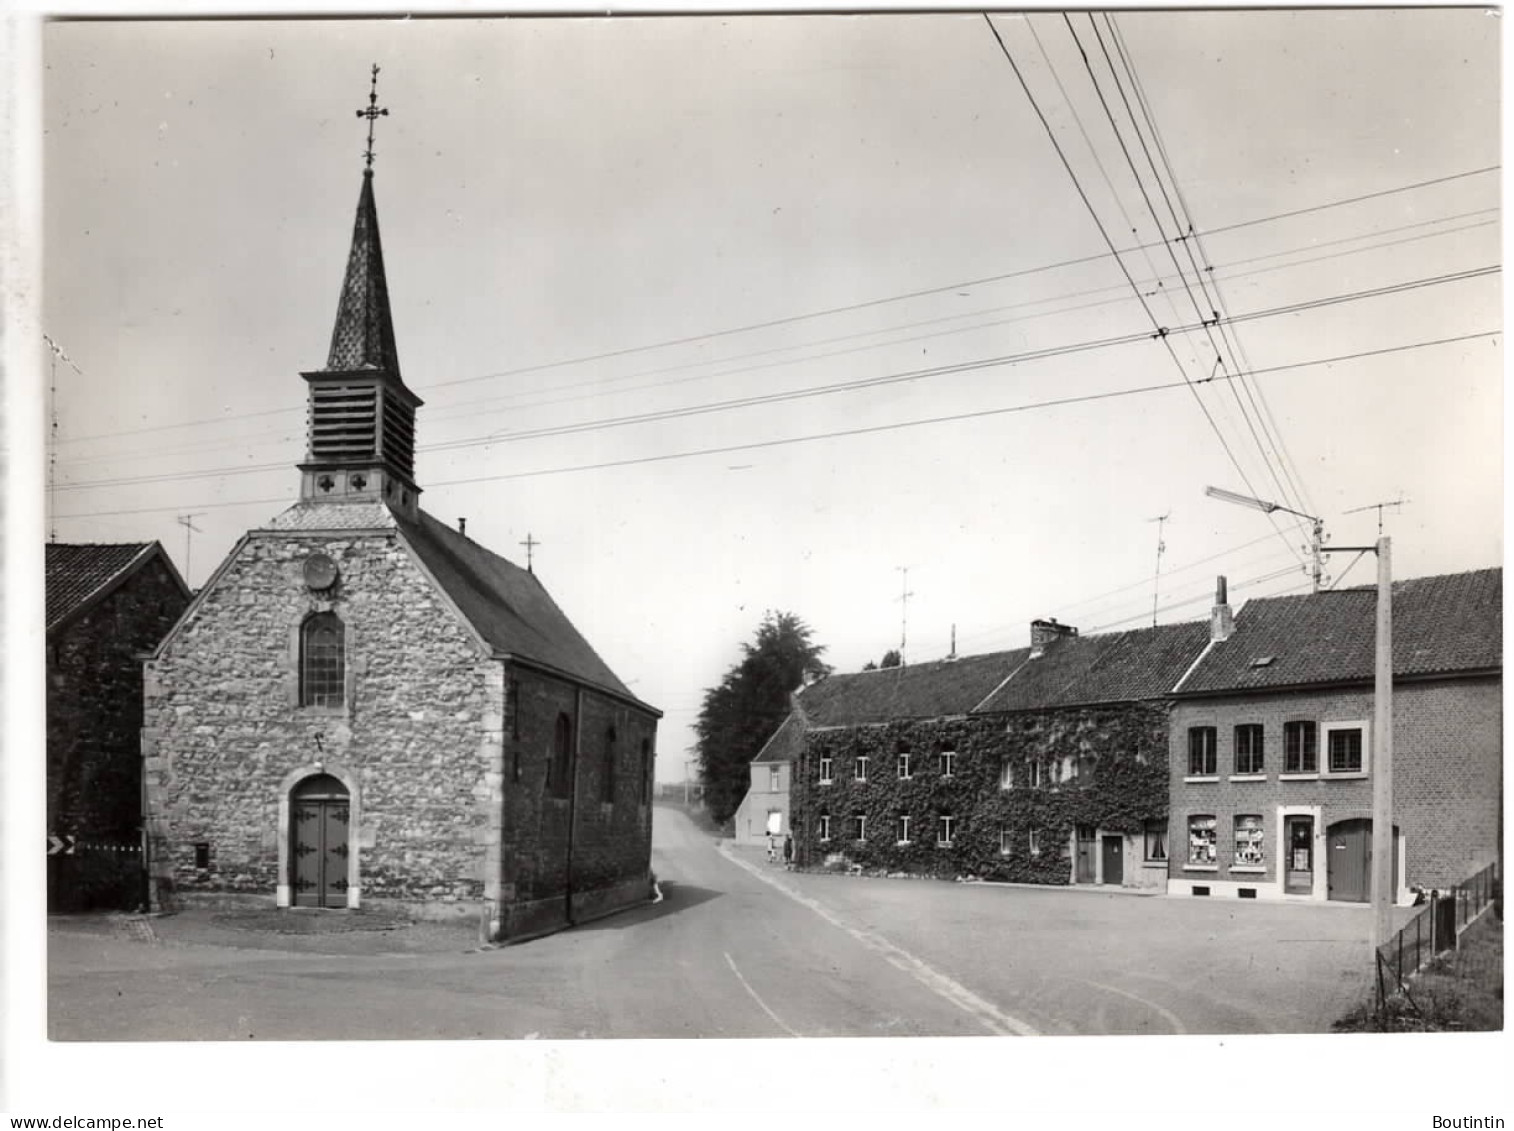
{"points": [[363, 338]]}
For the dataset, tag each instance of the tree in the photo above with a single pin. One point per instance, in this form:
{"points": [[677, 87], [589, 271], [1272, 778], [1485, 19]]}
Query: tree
{"points": [[740, 715], [891, 659]]}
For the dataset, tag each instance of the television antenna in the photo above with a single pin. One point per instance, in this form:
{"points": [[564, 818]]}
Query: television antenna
{"points": [[1161, 520], [187, 521], [1378, 507]]}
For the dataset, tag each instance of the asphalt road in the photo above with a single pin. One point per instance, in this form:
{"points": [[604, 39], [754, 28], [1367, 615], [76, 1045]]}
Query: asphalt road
{"points": [[739, 948]]}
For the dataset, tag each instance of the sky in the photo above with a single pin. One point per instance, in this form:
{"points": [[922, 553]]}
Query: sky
{"points": [[589, 220], [861, 280]]}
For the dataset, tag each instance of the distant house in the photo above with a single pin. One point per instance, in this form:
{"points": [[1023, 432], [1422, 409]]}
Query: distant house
{"points": [[1272, 744], [1044, 764], [107, 605], [764, 811]]}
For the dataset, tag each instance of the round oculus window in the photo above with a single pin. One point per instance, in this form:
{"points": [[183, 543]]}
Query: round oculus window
{"points": [[320, 571]]}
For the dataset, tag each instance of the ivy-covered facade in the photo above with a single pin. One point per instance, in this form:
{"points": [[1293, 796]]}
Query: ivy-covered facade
{"points": [[1041, 765]]}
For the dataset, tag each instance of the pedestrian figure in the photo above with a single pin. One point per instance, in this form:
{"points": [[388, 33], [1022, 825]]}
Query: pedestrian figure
{"points": [[772, 848], [788, 852]]}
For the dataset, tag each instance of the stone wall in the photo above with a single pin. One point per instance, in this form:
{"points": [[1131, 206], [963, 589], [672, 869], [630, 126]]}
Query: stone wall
{"points": [[94, 721], [611, 825], [225, 736]]}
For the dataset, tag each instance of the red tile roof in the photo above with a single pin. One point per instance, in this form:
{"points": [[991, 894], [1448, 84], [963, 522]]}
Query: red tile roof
{"points": [[79, 574], [1441, 625], [918, 691]]}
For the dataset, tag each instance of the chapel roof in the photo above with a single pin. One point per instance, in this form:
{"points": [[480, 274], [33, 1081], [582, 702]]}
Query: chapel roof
{"points": [[1442, 625], [80, 574], [506, 605]]}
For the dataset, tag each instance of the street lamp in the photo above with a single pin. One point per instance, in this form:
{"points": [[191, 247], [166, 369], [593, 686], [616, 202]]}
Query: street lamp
{"points": [[1316, 542], [1382, 713]]}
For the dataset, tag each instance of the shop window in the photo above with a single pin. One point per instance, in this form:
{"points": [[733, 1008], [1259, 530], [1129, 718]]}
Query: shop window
{"points": [[1300, 747], [1249, 851], [1201, 841], [1203, 761], [1248, 748], [1155, 835]]}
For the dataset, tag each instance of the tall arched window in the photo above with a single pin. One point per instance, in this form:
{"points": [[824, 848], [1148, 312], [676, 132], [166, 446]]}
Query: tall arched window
{"points": [[323, 668], [607, 772], [562, 753]]}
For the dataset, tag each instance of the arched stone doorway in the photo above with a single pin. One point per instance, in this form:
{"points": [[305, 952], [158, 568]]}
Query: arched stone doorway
{"points": [[320, 821]]}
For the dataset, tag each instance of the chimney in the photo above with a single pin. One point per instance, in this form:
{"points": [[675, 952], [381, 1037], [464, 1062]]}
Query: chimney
{"points": [[1044, 632], [1221, 622], [462, 526]]}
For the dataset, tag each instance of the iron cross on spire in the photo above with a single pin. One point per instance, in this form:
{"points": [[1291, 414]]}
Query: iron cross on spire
{"points": [[374, 111]]}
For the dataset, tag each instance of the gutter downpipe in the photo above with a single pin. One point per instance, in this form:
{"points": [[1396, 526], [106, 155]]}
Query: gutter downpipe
{"points": [[578, 707]]}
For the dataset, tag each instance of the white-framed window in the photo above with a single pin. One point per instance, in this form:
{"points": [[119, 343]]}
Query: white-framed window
{"points": [[1033, 842], [825, 825], [1347, 752], [825, 771], [1203, 759], [946, 825], [859, 826], [946, 760], [1250, 739], [1201, 840], [859, 768], [1154, 833], [1300, 747], [1005, 840], [1033, 775], [1249, 852], [904, 766], [775, 778], [901, 828], [1006, 774]]}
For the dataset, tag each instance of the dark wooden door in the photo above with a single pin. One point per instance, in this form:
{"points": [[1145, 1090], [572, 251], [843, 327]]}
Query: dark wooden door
{"points": [[1114, 860], [320, 816], [1349, 871], [1087, 861]]}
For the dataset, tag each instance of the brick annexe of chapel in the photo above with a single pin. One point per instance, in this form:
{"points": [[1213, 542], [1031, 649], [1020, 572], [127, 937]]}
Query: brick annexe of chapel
{"points": [[363, 705]]}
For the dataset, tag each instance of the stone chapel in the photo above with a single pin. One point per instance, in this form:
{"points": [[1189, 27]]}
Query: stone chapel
{"points": [[364, 706]]}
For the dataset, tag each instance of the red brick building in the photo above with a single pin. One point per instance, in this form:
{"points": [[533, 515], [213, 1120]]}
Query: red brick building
{"points": [[364, 705], [1272, 745], [107, 605]]}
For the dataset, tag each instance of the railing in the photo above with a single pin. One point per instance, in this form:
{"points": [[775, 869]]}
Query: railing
{"points": [[1433, 930]]}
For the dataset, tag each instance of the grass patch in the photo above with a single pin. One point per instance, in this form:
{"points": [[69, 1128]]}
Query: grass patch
{"points": [[1461, 991]]}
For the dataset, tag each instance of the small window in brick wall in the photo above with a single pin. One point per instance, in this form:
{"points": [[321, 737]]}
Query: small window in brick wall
{"points": [[202, 856]]}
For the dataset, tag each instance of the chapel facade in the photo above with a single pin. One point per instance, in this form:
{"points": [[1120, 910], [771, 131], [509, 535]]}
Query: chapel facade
{"points": [[365, 706]]}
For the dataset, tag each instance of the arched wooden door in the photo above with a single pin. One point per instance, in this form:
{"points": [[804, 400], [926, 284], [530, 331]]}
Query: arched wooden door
{"points": [[320, 813]]}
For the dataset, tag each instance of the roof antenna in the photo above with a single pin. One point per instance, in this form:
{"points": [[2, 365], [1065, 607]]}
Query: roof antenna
{"points": [[52, 452], [187, 521], [530, 544], [1399, 502], [1161, 521], [904, 596]]}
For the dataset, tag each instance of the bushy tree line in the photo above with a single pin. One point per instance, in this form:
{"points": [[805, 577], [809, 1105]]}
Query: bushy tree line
{"points": [[741, 714]]}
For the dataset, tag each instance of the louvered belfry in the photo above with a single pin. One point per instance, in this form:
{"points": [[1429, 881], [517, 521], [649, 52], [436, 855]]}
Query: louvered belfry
{"points": [[361, 419]]}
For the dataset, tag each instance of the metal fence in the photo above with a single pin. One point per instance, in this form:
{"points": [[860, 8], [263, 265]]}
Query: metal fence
{"points": [[1432, 931]]}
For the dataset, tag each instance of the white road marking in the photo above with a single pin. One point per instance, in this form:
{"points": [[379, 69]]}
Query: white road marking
{"points": [[990, 1016], [748, 987], [1167, 1015]]}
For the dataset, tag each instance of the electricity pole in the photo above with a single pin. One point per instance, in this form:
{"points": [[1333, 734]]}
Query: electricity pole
{"points": [[1316, 541]]}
